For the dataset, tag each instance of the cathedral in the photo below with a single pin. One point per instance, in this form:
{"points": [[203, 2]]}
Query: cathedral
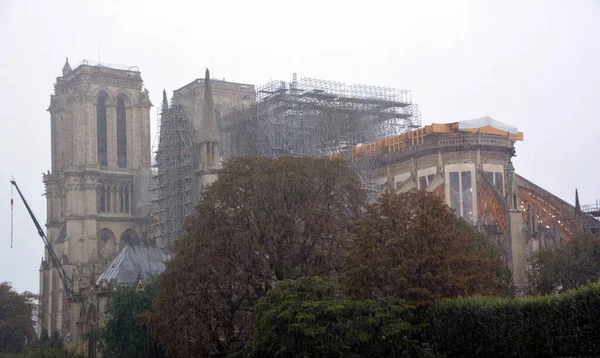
{"points": [[113, 208]]}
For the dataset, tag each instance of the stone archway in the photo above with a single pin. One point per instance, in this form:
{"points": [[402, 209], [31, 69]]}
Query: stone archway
{"points": [[128, 237], [91, 323], [106, 244]]}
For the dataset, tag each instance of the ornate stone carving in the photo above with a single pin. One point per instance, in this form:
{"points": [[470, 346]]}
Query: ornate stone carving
{"points": [[144, 99], [115, 82], [53, 104]]}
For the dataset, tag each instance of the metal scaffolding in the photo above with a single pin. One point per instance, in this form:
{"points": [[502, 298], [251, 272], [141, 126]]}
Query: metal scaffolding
{"points": [[317, 118], [591, 217], [306, 117], [174, 185]]}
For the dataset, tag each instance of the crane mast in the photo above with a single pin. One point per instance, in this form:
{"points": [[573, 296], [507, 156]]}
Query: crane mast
{"points": [[66, 281]]}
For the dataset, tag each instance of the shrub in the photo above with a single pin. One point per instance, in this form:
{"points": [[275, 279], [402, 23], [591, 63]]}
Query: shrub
{"points": [[556, 325], [303, 319]]}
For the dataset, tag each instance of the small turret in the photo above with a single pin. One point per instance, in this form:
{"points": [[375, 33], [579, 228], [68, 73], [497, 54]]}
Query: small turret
{"points": [[165, 103], [208, 136], [66, 68], [578, 216], [514, 202], [209, 129]]}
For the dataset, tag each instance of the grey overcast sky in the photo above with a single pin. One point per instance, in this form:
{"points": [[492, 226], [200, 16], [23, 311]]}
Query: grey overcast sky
{"points": [[532, 64]]}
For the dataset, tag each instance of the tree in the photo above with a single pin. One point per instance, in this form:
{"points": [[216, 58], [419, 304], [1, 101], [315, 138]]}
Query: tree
{"points": [[568, 265], [488, 249], [50, 347], [124, 335], [410, 246], [263, 220], [16, 319], [302, 318]]}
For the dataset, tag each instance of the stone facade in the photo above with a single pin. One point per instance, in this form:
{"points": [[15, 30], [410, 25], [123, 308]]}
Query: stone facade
{"points": [[97, 189], [227, 96]]}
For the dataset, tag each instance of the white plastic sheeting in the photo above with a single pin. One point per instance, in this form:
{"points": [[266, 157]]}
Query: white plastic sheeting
{"points": [[487, 121]]}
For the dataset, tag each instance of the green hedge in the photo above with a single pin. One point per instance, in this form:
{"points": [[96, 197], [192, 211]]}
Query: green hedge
{"points": [[559, 325]]}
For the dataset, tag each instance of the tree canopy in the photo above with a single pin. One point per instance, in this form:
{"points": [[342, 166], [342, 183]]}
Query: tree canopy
{"points": [[303, 318], [16, 319], [263, 220], [411, 246], [124, 335], [568, 265]]}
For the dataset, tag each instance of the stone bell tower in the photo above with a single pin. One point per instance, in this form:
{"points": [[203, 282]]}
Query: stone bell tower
{"points": [[97, 194]]}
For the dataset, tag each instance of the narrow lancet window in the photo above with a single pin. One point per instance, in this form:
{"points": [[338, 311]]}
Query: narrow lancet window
{"points": [[124, 199], [101, 199], [455, 192], [461, 194], [108, 200], [127, 208], [101, 130], [121, 200], [121, 133]]}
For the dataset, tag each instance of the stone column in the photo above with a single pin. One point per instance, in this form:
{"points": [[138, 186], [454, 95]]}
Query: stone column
{"points": [[91, 134], [50, 296], [517, 241]]}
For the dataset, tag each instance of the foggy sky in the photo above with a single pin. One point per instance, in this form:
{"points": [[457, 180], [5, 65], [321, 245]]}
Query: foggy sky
{"points": [[531, 64]]}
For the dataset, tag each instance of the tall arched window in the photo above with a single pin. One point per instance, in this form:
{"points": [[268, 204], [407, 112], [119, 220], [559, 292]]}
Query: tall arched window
{"points": [[124, 198], [121, 133], [106, 244], [101, 199], [101, 130]]}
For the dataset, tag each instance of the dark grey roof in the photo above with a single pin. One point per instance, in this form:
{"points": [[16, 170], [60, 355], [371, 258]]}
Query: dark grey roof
{"points": [[133, 262], [62, 235]]}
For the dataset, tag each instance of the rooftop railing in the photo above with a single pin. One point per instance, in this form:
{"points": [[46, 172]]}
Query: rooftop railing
{"points": [[440, 142], [108, 65]]}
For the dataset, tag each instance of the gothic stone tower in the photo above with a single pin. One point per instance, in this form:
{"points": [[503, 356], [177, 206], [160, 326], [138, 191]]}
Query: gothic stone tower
{"points": [[97, 189]]}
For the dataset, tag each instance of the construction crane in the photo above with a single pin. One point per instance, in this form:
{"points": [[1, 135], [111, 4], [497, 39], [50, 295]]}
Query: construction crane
{"points": [[66, 281]]}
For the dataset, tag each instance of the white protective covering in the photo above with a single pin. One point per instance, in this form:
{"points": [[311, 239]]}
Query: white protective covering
{"points": [[486, 121]]}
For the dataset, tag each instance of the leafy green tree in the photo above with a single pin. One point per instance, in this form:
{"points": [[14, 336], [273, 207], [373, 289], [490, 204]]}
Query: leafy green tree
{"points": [[303, 318], [411, 246], [124, 335], [16, 319], [263, 220], [568, 265]]}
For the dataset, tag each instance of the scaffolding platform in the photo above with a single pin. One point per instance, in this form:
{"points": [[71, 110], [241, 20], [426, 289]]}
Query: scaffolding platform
{"points": [[315, 117]]}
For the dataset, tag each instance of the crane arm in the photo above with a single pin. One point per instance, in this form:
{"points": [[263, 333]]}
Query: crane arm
{"points": [[66, 281]]}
